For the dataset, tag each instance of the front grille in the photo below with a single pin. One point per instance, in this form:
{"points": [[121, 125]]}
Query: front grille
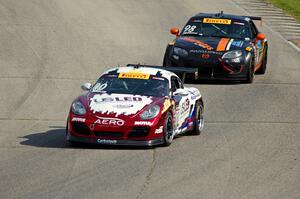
{"points": [[81, 128], [139, 131], [108, 134]]}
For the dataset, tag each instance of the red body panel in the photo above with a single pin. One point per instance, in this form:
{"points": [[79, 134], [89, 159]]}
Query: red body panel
{"points": [[111, 126]]}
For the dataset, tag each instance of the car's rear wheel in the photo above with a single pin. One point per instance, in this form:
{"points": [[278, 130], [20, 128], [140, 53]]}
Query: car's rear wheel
{"points": [[199, 122], [263, 67], [168, 130]]}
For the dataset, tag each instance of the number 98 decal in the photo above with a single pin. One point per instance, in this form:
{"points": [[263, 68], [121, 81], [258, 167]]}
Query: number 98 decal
{"points": [[189, 29]]}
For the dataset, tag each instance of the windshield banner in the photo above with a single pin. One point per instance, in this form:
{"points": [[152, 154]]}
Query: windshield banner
{"points": [[217, 21]]}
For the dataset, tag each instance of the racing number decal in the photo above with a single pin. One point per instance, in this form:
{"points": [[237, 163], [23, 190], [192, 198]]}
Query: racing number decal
{"points": [[189, 29], [182, 112], [185, 106]]}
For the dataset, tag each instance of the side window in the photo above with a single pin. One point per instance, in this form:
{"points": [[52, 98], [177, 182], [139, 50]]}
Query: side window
{"points": [[174, 83], [254, 30], [180, 83]]}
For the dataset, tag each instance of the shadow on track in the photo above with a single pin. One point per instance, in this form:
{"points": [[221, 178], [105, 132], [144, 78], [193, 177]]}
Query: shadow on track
{"points": [[212, 82], [56, 138]]}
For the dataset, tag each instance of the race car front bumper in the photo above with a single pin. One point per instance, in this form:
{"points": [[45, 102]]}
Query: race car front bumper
{"points": [[154, 142], [211, 70]]}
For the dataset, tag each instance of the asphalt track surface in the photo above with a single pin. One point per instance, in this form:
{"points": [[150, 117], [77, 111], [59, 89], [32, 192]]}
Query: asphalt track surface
{"points": [[250, 147]]}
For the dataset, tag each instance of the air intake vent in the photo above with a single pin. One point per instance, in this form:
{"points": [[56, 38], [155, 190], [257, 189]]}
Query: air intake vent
{"points": [[81, 128], [139, 131]]}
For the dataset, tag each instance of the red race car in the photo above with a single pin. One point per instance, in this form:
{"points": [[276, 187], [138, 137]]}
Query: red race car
{"points": [[135, 105]]}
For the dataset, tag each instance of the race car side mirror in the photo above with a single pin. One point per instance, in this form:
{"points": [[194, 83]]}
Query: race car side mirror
{"points": [[86, 86], [260, 36], [174, 31], [180, 92]]}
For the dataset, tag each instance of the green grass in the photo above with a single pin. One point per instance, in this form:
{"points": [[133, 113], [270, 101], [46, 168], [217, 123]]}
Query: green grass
{"points": [[292, 7]]}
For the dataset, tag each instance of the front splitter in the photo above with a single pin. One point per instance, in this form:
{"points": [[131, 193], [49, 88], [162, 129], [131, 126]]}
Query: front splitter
{"points": [[88, 140]]}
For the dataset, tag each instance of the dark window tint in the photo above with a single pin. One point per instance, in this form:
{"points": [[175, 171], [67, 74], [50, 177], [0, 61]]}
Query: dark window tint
{"points": [[146, 87], [254, 30], [175, 83]]}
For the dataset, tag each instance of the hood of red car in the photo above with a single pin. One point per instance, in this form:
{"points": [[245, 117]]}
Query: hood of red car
{"points": [[118, 105]]}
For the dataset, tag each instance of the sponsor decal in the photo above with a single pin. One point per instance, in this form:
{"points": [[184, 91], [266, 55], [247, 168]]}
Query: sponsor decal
{"points": [[205, 51], [248, 48], [123, 105], [237, 43], [185, 106], [78, 119], [118, 99], [222, 44], [205, 56], [106, 103], [101, 141], [197, 42], [143, 123], [167, 104], [159, 130], [149, 71], [109, 121], [134, 75], [217, 21]]}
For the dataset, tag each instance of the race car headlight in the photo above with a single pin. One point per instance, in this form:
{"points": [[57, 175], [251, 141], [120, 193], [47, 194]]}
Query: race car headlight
{"points": [[232, 54], [78, 108], [180, 51], [150, 112]]}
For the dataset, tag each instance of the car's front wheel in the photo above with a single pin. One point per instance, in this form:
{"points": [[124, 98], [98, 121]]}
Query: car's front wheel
{"points": [[168, 130], [70, 143], [250, 72]]}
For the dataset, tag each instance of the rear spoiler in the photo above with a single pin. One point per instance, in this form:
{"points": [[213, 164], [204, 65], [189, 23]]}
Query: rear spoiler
{"points": [[178, 70], [255, 19]]}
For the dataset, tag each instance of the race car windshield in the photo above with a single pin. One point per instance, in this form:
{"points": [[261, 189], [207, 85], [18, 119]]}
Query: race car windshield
{"points": [[154, 86], [227, 28]]}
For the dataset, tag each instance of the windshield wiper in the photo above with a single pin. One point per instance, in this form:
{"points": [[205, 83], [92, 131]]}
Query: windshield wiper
{"points": [[220, 36]]}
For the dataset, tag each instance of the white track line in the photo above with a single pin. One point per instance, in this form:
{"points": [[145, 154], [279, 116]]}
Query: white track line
{"points": [[269, 28]]}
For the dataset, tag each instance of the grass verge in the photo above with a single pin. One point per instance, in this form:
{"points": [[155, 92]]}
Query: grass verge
{"points": [[292, 7]]}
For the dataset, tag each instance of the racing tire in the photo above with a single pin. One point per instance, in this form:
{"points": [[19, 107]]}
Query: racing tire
{"points": [[167, 61], [262, 69], [164, 61], [250, 72], [68, 142], [199, 122], [168, 130]]}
